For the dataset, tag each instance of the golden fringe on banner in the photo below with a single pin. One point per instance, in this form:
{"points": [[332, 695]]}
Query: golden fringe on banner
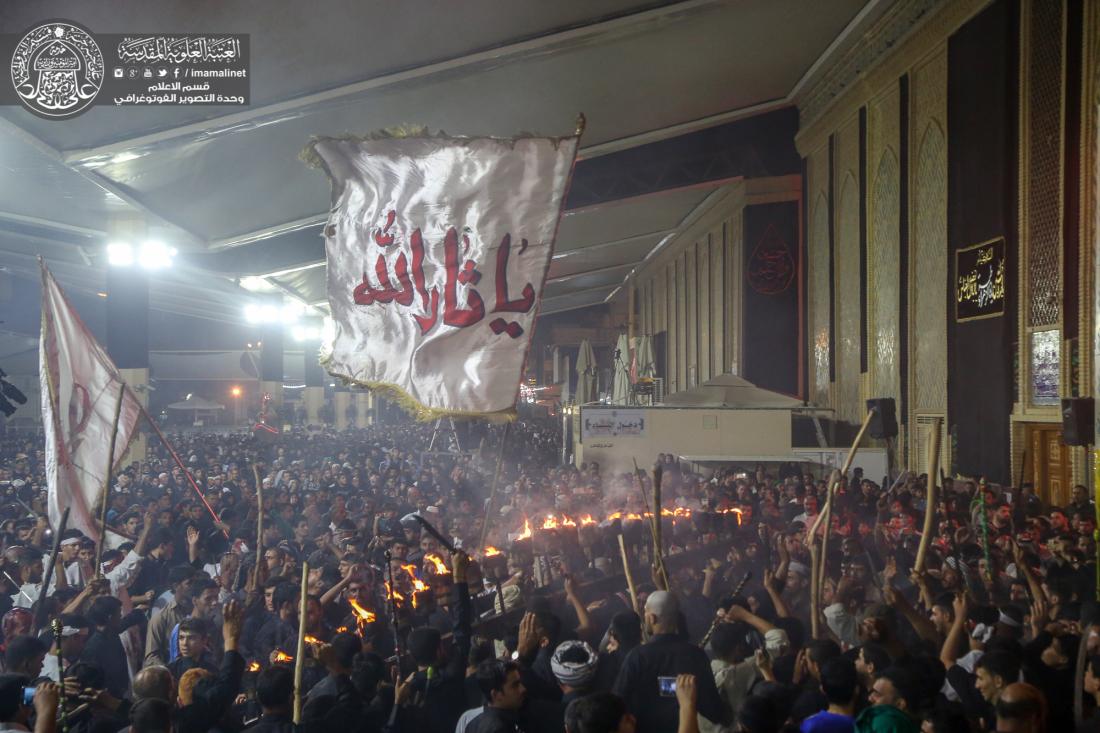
{"points": [[417, 409]]}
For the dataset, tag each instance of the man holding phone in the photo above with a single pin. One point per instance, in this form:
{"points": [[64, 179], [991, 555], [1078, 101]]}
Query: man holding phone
{"points": [[15, 708], [666, 655]]}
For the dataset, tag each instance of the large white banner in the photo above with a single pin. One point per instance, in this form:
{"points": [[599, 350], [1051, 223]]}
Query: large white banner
{"points": [[80, 393], [437, 252]]}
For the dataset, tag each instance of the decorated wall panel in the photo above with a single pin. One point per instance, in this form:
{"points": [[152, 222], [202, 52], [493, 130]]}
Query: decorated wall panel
{"points": [[846, 290], [702, 279], [883, 266], [929, 238], [718, 301], [818, 280]]}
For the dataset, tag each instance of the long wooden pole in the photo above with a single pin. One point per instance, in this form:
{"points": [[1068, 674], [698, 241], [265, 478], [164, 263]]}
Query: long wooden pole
{"points": [[931, 497], [299, 656], [40, 602], [658, 555], [817, 571], [179, 462], [259, 521], [105, 494], [493, 489], [629, 578]]}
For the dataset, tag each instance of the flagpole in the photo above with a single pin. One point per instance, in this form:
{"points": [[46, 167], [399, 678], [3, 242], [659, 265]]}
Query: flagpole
{"points": [[493, 490], [259, 521], [178, 462], [39, 603], [105, 495], [299, 660]]}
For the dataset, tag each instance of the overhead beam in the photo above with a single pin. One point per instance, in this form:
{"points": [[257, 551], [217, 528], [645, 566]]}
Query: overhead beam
{"points": [[249, 119], [596, 271]]}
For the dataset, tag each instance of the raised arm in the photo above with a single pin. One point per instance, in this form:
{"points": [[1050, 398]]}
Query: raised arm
{"points": [[584, 620], [737, 613], [921, 624], [949, 653], [771, 585], [1022, 567]]}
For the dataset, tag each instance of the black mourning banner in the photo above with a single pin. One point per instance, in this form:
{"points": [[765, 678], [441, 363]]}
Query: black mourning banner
{"points": [[980, 280]]}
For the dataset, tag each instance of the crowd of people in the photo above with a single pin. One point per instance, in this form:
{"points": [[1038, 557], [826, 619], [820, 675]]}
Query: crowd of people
{"points": [[433, 604]]}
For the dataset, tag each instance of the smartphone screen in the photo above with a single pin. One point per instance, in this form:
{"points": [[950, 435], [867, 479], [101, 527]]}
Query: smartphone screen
{"points": [[667, 686]]}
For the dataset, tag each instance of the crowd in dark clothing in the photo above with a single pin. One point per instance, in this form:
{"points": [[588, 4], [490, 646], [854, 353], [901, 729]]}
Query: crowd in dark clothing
{"points": [[529, 624]]}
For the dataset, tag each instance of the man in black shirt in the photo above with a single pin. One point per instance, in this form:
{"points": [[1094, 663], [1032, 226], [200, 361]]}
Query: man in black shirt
{"points": [[666, 655]]}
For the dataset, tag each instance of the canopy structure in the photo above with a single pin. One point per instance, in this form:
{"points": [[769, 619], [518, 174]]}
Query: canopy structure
{"points": [[729, 390], [197, 404]]}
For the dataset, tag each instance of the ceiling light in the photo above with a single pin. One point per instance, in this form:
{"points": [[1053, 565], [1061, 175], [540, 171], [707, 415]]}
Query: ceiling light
{"points": [[252, 282], [120, 254], [156, 255]]}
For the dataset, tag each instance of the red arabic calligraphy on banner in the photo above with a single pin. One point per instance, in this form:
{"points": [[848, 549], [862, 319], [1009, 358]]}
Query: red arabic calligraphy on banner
{"points": [[408, 286]]}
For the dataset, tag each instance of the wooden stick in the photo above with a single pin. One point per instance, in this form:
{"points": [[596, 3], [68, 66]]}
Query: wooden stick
{"points": [[630, 579], [817, 572], [40, 602], [299, 657], [259, 521], [493, 489], [658, 556], [1079, 686], [105, 495], [827, 513], [179, 462], [930, 497]]}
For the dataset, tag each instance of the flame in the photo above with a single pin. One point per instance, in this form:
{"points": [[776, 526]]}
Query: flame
{"points": [[312, 640], [361, 614], [440, 566], [526, 534], [282, 656], [391, 593], [491, 552], [587, 520], [254, 667], [551, 522], [342, 629], [567, 522], [732, 510]]}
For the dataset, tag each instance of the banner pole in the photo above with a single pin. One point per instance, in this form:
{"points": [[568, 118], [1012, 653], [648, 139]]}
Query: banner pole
{"points": [[39, 605], [493, 490], [179, 462], [259, 521], [299, 657], [105, 495]]}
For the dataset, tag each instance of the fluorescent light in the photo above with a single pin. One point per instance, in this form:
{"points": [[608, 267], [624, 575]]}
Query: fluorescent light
{"points": [[252, 315], [156, 255], [251, 282], [120, 254]]}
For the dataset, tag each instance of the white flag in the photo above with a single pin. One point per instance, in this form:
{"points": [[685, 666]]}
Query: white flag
{"points": [[438, 249], [80, 392]]}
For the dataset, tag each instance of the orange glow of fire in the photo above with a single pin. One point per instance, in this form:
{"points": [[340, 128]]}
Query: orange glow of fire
{"points": [[360, 613], [551, 522], [526, 533], [254, 667], [391, 593], [491, 552], [587, 520], [312, 640], [440, 566], [283, 657], [341, 630]]}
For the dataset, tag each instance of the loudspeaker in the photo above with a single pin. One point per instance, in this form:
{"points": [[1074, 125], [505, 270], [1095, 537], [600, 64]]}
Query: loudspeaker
{"points": [[1078, 414], [884, 423]]}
